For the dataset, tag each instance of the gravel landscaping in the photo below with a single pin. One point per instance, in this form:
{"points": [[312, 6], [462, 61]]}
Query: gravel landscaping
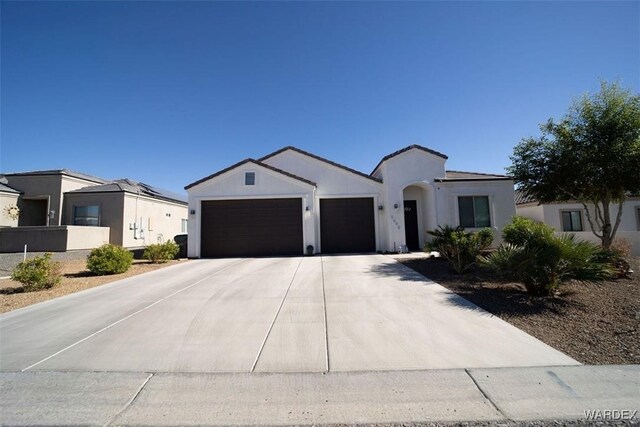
{"points": [[592, 323], [75, 278]]}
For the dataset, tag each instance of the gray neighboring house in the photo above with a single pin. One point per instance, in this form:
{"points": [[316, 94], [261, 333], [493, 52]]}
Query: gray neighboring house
{"points": [[65, 210]]}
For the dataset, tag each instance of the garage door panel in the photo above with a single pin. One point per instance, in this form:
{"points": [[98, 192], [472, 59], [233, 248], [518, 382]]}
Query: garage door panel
{"points": [[347, 225], [251, 227]]}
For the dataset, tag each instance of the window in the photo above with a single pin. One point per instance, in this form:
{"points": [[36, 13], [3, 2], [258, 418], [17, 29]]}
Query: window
{"points": [[571, 221], [86, 215], [474, 211], [184, 226], [249, 178]]}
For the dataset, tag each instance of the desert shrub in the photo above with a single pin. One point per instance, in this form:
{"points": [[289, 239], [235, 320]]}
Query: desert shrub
{"points": [[545, 261], [37, 273], [521, 231], [109, 259], [459, 247], [622, 247], [161, 252], [617, 260]]}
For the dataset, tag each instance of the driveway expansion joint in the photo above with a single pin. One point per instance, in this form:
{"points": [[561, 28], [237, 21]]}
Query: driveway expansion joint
{"points": [[486, 396], [273, 322], [129, 402]]}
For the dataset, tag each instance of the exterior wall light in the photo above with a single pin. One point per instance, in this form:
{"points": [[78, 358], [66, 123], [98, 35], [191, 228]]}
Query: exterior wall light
{"points": [[380, 207], [395, 206], [192, 212], [307, 209]]}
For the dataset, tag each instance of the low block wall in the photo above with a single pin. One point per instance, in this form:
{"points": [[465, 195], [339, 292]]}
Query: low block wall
{"points": [[52, 238]]}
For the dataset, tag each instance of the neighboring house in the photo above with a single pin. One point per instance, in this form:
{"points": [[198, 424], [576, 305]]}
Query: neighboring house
{"points": [[8, 206], [136, 213], [570, 217], [292, 202], [65, 210]]}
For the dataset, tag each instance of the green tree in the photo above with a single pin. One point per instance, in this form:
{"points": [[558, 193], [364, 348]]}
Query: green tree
{"points": [[591, 156]]}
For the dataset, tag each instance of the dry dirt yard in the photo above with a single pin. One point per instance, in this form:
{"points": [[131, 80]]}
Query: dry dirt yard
{"points": [[75, 277], [592, 323]]}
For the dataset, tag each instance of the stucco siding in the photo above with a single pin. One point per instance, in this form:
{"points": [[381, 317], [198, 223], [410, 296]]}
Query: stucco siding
{"points": [[331, 180], [7, 200], [551, 214], [268, 184], [501, 195], [158, 220], [111, 211]]}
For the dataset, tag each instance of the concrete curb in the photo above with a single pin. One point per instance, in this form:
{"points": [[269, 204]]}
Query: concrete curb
{"points": [[511, 395]]}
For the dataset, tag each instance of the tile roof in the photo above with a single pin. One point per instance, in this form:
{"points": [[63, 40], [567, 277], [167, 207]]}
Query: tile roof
{"points": [[257, 162], [129, 186], [473, 176], [404, 150], [322, 159], [6, 189], [522, 198], [67, 172]]}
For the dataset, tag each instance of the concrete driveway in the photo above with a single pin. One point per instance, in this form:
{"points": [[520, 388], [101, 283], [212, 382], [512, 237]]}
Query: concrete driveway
{"points": [[312, 314]]}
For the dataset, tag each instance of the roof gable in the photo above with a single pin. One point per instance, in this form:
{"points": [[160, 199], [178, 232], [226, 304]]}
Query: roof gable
{"points": [[321, 159], [404, 150], [256, 162]]}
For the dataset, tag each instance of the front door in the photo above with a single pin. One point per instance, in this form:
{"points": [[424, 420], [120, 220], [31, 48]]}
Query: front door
{"points": [[411, 225]]}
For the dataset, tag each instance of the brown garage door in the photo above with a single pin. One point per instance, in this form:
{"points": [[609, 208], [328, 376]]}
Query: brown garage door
{"points": [[347, 225], [252, 227]]}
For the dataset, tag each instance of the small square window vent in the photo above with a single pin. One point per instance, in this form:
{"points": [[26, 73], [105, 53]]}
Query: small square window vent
{"points": [[249, 178]]}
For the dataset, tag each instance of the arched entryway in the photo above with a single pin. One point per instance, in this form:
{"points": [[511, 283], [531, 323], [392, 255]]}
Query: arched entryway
{"points": [[419, 214]]}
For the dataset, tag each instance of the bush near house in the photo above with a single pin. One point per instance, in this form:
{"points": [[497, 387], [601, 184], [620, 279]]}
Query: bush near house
{"points": [[542, 261], [109, 259], [161, 252], [461, 248], [37, 273]]}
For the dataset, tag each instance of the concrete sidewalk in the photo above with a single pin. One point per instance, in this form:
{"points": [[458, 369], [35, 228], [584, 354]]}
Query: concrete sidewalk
{"points": [[456, 395]]}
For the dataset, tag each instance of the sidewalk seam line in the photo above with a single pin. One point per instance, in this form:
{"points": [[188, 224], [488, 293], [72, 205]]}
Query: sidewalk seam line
{"points": [[129, 316], [486, 396], [273, 322], [324, 306], [129, 402]]}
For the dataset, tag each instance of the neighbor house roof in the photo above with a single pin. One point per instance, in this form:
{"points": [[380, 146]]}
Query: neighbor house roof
{"points": [[458, 176], [404, 150], [522, 198], [133, 187], [257, 162], [322, 159], [66, 172], [6, 189]]}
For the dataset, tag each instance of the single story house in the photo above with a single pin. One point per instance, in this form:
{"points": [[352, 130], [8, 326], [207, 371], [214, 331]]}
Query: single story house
{"points": [[63, 210], [570, 217], [292, 202]]}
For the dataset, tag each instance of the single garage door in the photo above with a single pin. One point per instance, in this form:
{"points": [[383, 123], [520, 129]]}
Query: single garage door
{"points": [[347, 225], [252, 227]]}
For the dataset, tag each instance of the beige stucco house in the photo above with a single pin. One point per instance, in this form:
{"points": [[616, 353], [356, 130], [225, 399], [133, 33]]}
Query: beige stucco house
{"points": [[570, 217], [8, 206], [64, 210]]}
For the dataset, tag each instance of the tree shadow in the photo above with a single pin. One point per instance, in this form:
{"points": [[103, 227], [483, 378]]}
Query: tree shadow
{"points": [[489, 291], [12, 290], [399, 271]]}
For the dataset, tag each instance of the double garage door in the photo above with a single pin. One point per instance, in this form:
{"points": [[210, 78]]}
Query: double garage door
{"points": [[272, 227]]}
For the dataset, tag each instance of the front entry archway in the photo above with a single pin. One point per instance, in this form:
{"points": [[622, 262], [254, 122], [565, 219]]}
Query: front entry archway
{"points": [[411, 225]]}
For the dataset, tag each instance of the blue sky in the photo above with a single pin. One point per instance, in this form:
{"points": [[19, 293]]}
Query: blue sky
{"points": [[168, 92]]}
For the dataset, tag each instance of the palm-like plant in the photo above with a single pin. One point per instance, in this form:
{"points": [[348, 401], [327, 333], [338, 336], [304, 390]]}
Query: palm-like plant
{"points": [[543, 264], [461, 248]]}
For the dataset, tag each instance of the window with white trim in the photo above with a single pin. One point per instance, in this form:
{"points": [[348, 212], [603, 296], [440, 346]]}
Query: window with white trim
{"points": [[474, 212], [249, 178], [184, 225], [572, 220]]}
